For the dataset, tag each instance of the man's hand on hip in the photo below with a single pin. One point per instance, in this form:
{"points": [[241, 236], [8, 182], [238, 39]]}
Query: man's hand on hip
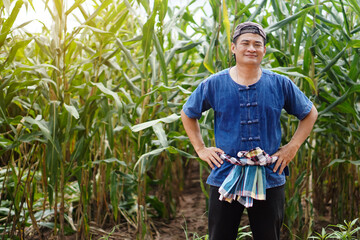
{"points": [[209, 155], [285, 155]]}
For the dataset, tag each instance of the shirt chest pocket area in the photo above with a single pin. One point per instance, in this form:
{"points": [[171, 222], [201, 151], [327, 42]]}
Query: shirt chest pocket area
{"points": [[227, 112], [273, 106]]}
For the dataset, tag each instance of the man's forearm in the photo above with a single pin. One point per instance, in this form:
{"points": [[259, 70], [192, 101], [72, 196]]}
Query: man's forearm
{"points": [[288, 152], [207, 154], [304, 129], [192, 129]]}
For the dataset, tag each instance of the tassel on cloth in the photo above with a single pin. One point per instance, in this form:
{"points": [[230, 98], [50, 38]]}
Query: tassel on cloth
{"points": [[246, 180]]}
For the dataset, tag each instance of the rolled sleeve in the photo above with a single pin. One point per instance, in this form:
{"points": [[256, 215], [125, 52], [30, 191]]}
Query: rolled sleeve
{"points": [[296, 102], [197, 102]]}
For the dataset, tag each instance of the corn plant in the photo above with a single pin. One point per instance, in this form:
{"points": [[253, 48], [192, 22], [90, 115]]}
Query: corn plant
{"points": [[89, 124]]}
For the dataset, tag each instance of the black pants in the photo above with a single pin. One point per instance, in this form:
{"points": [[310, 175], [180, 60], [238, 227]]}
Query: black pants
{"points": [[265, 217]]}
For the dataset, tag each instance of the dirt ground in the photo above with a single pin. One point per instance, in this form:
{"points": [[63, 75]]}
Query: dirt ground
{"points": [[191, 214]]}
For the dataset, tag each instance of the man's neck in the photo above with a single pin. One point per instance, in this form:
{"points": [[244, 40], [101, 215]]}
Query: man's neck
{"points": [[246, 75]]}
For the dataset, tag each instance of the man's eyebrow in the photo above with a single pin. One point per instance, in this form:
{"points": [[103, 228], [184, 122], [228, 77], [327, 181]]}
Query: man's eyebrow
{"points": [[247, 40]]}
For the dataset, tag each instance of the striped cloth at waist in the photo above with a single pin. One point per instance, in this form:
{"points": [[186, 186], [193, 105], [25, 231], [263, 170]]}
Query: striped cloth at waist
{"points": [[246, 180]]}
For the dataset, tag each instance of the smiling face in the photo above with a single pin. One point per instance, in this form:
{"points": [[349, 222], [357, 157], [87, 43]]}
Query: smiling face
{"points": [[249, 49]]}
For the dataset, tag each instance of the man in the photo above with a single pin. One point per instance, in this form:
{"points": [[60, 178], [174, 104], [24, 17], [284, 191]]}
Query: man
{"points": [[247, 102]]}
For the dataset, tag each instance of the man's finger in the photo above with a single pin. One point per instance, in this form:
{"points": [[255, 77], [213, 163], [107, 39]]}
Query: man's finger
{"points": [[278, 162], [210, 164], [218, 158], [282, 167], [215, 160]]}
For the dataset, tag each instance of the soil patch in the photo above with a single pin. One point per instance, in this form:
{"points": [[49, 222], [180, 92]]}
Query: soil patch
{"points": [[191, 217]]}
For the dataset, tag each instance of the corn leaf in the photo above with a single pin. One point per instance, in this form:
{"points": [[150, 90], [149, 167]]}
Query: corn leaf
{"points": [[288, 20], [72, 110], [148, 30], [107, 91], [7, 25], [160, 133], [226, 23], [142, 126]]}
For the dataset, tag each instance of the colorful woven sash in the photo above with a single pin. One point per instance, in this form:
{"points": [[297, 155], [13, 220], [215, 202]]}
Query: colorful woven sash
{"points": [[246, 180]]}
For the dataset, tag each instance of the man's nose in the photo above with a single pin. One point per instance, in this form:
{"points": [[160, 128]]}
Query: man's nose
{"points": [[251, 48]]}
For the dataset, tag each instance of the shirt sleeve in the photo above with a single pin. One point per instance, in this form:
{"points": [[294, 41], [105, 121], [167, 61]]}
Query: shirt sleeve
{"points": [[296, 102], [197, 102]]}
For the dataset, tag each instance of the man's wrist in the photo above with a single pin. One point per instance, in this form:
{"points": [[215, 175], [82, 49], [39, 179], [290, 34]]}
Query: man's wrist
{"points": [[294, 145], [199, 148]]}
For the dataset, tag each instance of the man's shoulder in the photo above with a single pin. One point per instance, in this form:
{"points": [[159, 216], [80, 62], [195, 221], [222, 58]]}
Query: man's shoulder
{"points": [[217, 76], [273, 74], [275, 77]]}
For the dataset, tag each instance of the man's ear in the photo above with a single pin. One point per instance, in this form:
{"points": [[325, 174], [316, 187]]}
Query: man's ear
{"points": [[233, 47]]}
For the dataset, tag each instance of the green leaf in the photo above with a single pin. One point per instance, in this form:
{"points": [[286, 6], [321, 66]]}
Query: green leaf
{"points": [[208, 60], [4, 142], [72, 110], [148, 30], [286, 71], [350, 91], [163, 5], [128, 56], [14, 50], [59, 7], [333, 61], [174, 150], [257, 11], [131, 85], [243, 10], [74, 6], [44, 129], [94, 29], [298, 36], [355, 6], [89, 19], [160, 133], [338, 161], [142, 126], [226, 23], [160, 54], [146, 156], [354, 43], [110, 160], [107, 91], [113, 193], [6, 26], [288, 20]]}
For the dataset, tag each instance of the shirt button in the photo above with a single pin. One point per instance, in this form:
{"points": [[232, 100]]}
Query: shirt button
{"points": [[250, 138], [248, 105], [249, 122]]}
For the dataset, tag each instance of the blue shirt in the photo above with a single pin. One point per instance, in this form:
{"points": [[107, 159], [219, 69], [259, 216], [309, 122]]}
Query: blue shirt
{"points": [[247, 116]]}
